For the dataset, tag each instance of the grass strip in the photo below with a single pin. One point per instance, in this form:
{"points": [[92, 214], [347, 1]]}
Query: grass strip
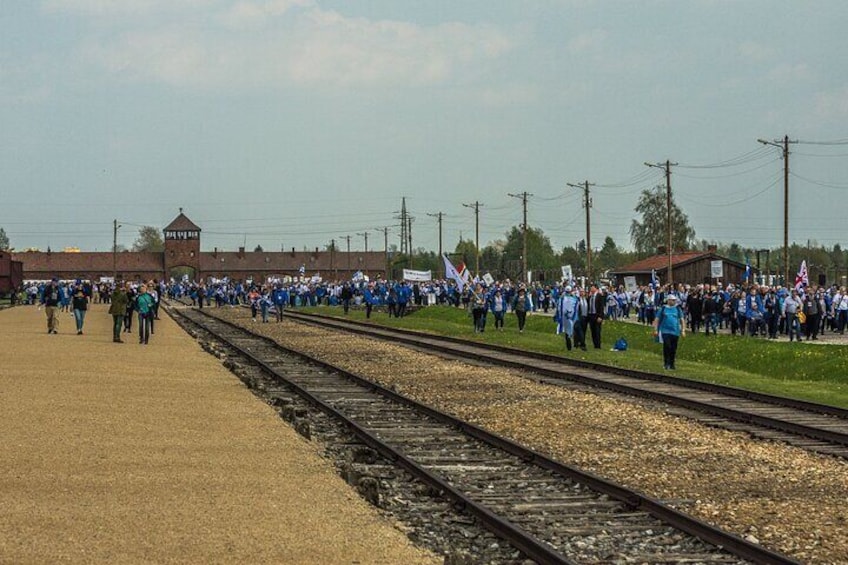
{"points": [[816, 373]]}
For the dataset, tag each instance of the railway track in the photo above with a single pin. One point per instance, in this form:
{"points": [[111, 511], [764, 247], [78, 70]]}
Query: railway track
{"points": [[815, 427], [551, 512]]}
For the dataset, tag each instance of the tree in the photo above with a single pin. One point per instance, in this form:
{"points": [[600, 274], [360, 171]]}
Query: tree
{"points": [[540, 253], [609, 257], [4, 240], [651, 232], [466, 252], [258, 249], [149, 239]]}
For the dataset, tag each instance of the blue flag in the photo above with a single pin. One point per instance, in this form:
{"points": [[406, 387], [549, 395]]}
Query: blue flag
{"points": [[747, 275]]}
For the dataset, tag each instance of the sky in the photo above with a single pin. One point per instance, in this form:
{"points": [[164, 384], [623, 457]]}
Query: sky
{"points": [[288, 123]]}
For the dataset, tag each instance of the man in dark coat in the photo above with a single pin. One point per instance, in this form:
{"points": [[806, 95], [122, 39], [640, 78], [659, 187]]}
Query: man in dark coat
{"points": [[597, 303]]}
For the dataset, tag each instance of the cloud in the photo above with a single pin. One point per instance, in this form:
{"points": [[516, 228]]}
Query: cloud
{"points": [[790, 73], [284, 43], [832, 104], [588, 41], [122, 9], [755, 52], [246, 15]]}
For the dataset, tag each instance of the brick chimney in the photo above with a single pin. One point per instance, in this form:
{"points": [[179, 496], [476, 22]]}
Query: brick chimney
{"points": [[241, 253]]}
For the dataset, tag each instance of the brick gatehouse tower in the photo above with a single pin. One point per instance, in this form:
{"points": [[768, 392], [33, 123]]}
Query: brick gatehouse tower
{"points": [[182, 244]]}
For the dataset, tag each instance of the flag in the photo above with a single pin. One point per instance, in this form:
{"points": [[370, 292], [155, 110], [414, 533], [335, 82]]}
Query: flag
{"points": [[801, 279], [655, 282], [747, 276], [358, 276], [459, 276], [302, 270]]}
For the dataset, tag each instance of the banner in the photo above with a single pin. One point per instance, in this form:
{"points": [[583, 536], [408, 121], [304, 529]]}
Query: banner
{"points": [[417, 276], [567, 274], [630, 284], [451, 273], [802, 279], [717, 269], [489, 279]]}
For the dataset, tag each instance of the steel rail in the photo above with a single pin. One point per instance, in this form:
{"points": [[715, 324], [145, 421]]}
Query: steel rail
{"points": [[413, 338], [782, 401], [631, 498]]}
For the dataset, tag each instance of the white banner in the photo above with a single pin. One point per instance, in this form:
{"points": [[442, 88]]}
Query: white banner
{"points": [[566, 273], [417, 276], [717, 269], [489, 279], [630, 284]]}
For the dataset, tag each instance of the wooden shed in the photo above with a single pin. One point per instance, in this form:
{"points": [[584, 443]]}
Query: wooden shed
{"points": [[688, 267]]}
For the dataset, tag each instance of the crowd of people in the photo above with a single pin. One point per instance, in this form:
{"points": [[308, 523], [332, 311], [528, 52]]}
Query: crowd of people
{"points": [[750, 310], [126, 301]]}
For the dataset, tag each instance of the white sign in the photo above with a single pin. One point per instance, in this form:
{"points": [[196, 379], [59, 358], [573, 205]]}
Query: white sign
{"points": [[567, 275], [489, 279], [716, 269], [630, 284], [417, 276]]}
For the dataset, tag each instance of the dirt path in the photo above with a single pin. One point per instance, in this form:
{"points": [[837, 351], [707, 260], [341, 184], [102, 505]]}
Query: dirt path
{"points": [[125, 453]]}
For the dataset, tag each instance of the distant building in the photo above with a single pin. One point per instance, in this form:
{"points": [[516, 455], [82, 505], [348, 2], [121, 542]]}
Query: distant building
{"points": [[182, 254], [688, 267], [11, 272]]}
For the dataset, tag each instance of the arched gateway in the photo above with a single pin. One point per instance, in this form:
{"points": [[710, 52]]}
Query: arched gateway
{"points": [[182, 253]]}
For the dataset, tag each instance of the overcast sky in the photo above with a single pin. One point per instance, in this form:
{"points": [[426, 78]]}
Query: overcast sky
{"points": [[287, 123]]}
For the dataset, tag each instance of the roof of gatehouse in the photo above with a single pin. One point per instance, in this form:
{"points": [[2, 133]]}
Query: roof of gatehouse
{"points": [[182, 223]]}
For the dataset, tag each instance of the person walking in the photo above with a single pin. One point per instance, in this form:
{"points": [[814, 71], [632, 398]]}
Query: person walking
{"points": [[80, 307], [144, 305], [520, 305], [51, 298], [478, 309], [566, 315], [597, 302], [497, 304], [118, 309], [668, 327], [792, 306]]}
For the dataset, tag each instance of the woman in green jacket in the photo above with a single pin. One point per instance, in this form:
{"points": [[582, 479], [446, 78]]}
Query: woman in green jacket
{"points": [[118, 309], [144, 304]]}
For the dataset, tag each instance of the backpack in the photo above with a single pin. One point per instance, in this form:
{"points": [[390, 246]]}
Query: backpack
{"points": [[620, 345]]}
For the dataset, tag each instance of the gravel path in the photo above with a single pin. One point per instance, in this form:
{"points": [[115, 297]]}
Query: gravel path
{"points": [[117, 453], [787, 499]]}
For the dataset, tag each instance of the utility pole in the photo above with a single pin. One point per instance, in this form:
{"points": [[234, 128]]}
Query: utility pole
{"points": [[403, 235], [439, 216], [476, 207], [347, 237], [587, 203], [386, 250], [333, 259], [784, 145], [365, 235], [523, 196], [409, 235], [669, 232], [115, 227]]}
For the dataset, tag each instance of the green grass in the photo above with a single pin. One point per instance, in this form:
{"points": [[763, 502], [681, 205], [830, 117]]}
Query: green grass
{"points": [[817, 373]]}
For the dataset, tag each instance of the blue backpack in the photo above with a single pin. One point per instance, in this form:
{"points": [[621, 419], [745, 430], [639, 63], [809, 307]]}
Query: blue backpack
{"points": [[620, 345]]}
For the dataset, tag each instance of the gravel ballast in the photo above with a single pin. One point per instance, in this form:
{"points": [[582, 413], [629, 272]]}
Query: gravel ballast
{"points": [[785, 498], [124, 453]]}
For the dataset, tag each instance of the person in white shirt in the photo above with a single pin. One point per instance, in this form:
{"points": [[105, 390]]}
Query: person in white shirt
{"points": [[791, 306]]}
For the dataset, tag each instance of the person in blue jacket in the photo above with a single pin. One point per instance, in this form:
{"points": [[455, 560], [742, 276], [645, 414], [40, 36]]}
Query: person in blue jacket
{"points": [[669, 326], [280, 297]]}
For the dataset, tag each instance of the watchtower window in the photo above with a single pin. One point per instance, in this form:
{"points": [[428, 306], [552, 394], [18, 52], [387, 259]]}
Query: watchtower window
{"points": [[182, 235]]}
